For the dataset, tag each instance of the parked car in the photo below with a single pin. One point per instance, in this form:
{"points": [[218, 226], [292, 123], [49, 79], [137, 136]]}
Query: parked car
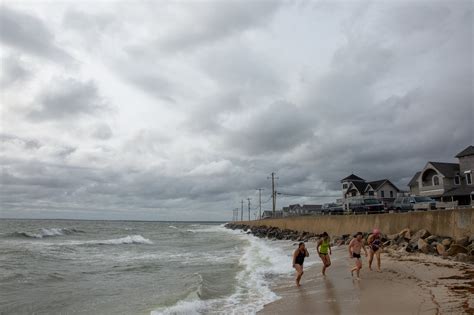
{"points": [[414, 203], [332, 208], [366, 205]]}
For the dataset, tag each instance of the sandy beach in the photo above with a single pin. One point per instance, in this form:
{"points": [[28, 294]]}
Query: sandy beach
{"points": [[408, 284]]}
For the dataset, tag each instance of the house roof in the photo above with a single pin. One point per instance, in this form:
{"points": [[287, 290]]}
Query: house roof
{"points": [[467, 151], [447, 169], [351, 178], [360, 186], [376, 184], [413, 180], [459, 191]]}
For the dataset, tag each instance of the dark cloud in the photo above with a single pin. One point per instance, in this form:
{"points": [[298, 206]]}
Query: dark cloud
{"points": [[210, 22], [13, 70], [279, 127], [68, 99], [29, 34]]}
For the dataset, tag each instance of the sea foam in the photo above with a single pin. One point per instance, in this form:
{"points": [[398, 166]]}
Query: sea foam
{"points": [[260, 258], [130, 239]]}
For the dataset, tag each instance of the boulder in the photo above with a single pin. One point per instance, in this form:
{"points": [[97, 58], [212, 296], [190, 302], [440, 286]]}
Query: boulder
{"points": [[421, 234], [446, 242], [456, 249], [423, 246], [432, 238], [470, 249], [463, 241], [392, 237], [440, 249], [405, 233]]}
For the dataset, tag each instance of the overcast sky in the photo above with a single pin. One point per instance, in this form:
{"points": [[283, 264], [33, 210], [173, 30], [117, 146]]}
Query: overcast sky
{"points": [[178, 110]]}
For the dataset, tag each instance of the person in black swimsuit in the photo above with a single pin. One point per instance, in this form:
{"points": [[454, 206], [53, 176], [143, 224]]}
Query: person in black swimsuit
{"points": [[355, 246], [298, 259], [375, 247]]}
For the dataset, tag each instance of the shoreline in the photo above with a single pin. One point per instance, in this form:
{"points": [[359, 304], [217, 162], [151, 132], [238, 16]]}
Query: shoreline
{"points": [[408, 284], [421, 274]]}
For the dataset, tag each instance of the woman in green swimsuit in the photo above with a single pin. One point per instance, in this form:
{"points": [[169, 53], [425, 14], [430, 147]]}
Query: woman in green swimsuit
{"points": [[324, 250]]}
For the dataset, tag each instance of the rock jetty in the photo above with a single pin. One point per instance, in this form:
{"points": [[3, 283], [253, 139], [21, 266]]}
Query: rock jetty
{"points": [[461, 249]]}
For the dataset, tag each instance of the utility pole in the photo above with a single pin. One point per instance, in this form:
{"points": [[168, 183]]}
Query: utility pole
{"points": [[260, 203], [241, 210], [273, 194], [249, 207]]}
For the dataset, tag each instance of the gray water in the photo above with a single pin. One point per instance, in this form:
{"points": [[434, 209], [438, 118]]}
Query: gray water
{"points": [[104, 267]]}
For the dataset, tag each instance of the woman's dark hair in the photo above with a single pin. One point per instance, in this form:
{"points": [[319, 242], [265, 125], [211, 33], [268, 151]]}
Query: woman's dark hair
{"points": [[301, 243], [324, 234], [358, 233]]}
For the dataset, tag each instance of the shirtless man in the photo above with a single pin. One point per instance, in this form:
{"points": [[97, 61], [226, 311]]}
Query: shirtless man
{"points": [[298, 259], [355, 246], [375, 247]]}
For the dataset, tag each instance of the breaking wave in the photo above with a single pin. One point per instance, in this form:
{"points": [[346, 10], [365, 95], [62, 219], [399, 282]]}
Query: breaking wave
{"points": [[130, 239], [46, 232]]}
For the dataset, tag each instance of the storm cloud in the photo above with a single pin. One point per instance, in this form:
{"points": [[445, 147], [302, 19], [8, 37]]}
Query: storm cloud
{"points": [[178, 111]]}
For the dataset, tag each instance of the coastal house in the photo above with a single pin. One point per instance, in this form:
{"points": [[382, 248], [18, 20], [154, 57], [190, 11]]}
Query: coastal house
{"points": [[354, 186], [447, 181]]}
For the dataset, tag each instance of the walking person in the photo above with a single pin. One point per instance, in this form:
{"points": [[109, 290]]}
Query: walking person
{"points": [[375, 247], [324, 250], [298, 259], [355, 246]]}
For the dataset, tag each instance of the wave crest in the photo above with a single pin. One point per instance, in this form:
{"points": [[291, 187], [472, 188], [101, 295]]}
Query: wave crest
{"points": [[130, 239], [46, 232]]}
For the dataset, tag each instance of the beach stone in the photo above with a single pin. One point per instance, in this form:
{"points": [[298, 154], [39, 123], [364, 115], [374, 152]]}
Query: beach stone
{"points": [[463, 241], [440, 249], [456, 249], [423, 246], [405, 233], [446, 242]]}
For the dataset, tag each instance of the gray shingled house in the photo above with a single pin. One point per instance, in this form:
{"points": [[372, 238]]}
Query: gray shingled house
{"points": [[447, 181]]}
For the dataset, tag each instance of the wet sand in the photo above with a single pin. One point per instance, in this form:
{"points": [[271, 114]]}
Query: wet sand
{"points": [[408, 284]]}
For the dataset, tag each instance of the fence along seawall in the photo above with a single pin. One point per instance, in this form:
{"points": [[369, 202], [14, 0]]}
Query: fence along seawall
{"points": [[453, 223]]}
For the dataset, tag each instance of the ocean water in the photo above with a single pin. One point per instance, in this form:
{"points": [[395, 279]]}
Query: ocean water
{"points": [[104, 267]]}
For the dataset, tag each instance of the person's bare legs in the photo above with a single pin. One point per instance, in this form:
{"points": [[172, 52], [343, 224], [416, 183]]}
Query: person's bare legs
{"points": [[327, 263], [377, 254], [371, 258], [357, 268], [299, 274]]}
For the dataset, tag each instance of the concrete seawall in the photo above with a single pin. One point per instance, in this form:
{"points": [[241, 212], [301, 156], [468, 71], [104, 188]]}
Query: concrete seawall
{"points": [[452, 223]]}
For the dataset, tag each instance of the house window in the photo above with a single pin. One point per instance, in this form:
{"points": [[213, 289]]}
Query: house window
{"points": [[353, 194], [391, 193], [468, 179], [371, 193], [435, 180], [344, 186], [457, 180], [382, 194]]}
